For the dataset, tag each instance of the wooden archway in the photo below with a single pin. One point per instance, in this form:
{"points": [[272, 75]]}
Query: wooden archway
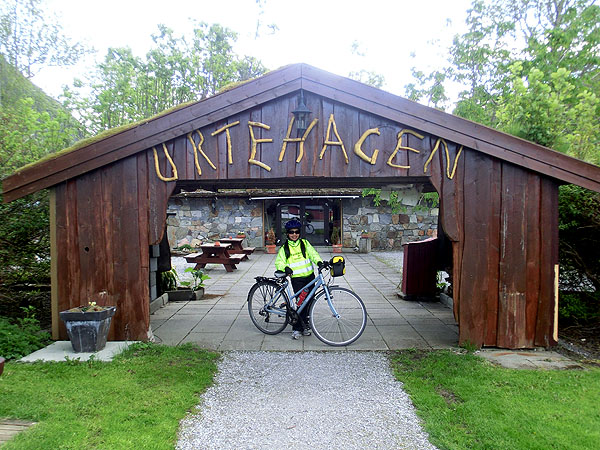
{"points": [[499, 194]]}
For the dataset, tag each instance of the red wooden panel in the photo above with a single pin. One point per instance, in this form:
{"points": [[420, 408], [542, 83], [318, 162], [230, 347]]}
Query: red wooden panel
{"points": [[494, 173], [134, 309], [314, 140], [548, 260], [477, 310], [322, 167], [419, 270], [513, 263], [62, 255], [532, 253], [178, 153]]}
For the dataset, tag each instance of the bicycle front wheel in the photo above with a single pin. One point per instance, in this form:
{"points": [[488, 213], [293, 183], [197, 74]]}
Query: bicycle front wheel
{"points": [[265, 314], [341, 325]]}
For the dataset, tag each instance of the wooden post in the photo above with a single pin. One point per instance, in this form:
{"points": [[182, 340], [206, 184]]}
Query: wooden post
{"points": [[53, 265]]}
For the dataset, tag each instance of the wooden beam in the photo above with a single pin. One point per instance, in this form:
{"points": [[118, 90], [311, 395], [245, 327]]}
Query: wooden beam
{"points": [[53, 265]]}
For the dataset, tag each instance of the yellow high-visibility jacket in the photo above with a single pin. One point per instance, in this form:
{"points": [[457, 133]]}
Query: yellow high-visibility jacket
{"points": [[301, 265]]}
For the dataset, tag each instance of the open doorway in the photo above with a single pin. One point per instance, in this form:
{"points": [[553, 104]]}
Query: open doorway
{"points": [[318, 217]]}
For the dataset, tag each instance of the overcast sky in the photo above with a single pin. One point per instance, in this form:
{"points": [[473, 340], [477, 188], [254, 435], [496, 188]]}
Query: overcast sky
{"points": [[316, 32]]}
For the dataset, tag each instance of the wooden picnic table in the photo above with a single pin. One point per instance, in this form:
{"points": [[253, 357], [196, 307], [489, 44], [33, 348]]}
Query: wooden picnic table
{"points": [[237, 248], [214, 254]]}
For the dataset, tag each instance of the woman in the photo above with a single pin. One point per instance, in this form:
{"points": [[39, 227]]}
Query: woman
{"points": [[296, 258]]}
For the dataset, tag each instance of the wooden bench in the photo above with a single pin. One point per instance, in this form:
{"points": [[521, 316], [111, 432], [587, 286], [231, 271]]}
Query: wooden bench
{"points": [[236, 247], [214, 254]]}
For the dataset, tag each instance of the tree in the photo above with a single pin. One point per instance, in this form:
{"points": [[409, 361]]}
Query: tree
{"points": [[126, 88], [31, 39], [532, 68], [365, 76]]}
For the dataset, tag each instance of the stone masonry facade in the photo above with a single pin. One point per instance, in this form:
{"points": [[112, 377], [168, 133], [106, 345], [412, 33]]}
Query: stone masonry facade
{"points": [[194, 220], [387, 231]]}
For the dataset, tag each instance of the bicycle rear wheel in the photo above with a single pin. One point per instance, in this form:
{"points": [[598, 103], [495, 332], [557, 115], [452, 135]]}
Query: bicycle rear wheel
{"points": [[347, 326], [268, 317]]}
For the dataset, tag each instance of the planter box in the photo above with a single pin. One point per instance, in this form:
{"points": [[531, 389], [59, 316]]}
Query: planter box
{"points": [[337, 248], [88, 331], [184, 295], [272, 249]]}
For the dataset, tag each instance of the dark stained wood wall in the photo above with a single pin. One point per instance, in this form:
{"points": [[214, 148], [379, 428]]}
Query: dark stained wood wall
{"points": [[105, 222], [502, 219], [503, 222]]}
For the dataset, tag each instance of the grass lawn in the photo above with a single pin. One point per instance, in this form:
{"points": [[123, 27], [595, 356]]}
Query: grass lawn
{"points": [[134, 402], [467, 403]]}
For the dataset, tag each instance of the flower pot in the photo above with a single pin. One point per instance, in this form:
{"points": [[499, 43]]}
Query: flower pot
{"points": [[184, 295], [1, 365], [88, 331], [271, 248], [337, 248]]}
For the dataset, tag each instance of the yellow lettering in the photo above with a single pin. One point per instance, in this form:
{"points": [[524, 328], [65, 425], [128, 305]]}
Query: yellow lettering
{"points": [[174, 177], [435, 148], [359, 143], [399, 146], [199, 149], [329, 142], [257, 141], [226, 129], [300, 140]]}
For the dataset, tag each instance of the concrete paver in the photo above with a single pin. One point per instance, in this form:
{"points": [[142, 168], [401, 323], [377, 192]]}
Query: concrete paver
{"points": [[223, 322], [528, 359]]}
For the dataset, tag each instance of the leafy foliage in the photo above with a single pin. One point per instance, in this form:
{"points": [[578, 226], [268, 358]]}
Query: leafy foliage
{"points": [[30, 38], [531, 68], [426, 200], [198, 277], [579, 232], [126, 88], [31, 126], [21, 336], [168, 280]]}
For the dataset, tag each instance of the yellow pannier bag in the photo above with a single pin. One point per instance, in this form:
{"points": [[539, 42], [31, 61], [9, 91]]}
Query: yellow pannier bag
{"points": [[338, 266]]}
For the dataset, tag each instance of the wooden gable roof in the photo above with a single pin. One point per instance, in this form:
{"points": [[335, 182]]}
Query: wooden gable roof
{"points": [[171, 124]]}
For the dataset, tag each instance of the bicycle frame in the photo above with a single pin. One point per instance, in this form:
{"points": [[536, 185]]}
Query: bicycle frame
{"points": [[318, 282]]}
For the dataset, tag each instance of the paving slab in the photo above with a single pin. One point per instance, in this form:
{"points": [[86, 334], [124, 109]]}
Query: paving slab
{"points": [[63, 351], [225, 318], [528, 359]]}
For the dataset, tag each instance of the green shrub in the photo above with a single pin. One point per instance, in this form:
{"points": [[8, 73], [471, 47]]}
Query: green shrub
{"points": [[579, 239], [579, 306], [22, 336], [168, 280]]}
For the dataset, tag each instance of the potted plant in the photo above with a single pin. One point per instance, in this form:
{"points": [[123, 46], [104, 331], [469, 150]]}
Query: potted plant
{"points": [[189, 290], [270, 241], [87, 326], [335, 240], [241, 235]]}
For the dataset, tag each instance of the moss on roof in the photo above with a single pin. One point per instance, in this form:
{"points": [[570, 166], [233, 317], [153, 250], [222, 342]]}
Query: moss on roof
{"points": [[103, 135], [114, 131]]}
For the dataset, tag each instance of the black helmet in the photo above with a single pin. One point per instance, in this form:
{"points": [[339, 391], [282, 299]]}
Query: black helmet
{"points": [[294, 223]]}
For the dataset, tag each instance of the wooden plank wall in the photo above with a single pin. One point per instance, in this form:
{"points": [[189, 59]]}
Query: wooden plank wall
{"points": [[105, 222], [501, 219]]}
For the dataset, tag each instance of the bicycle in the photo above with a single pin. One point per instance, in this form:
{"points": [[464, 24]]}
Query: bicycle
{"points": [[337, 316]]}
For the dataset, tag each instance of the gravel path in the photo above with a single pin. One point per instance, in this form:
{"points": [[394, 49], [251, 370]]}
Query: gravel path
{"points": [[337, 400]]}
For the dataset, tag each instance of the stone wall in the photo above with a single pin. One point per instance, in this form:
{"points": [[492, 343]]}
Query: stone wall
{"points": [[387, 231], [194, 220]]}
